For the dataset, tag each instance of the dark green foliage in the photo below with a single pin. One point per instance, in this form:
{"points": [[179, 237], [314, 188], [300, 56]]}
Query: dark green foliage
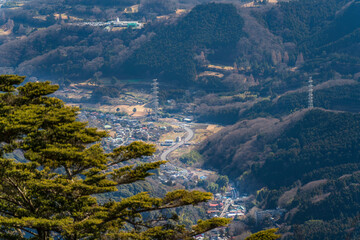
{"points": [[326, 230], [173, 48], [320, 28], [320, 139], [222, 181], [69, 51], [326, 211], [343, 192], [269, 234], [345, 98], [100, 92], [297, 20], [345, 24], [191, 158]]}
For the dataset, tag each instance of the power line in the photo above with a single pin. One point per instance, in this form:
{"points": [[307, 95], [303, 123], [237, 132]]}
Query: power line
{"points": [[311, 94], [155, 98]]}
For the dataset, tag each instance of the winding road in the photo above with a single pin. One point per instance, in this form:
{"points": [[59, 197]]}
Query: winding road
{"points": [[189, 136]]}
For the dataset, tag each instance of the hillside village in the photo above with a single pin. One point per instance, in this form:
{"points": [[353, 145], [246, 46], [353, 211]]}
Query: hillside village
{"points": [[124, 130]]}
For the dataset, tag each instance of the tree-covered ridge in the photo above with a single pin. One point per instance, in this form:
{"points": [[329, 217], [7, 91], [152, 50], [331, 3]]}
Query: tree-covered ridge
{"points": [[321, 139], [306, 163], [342, 98], [51, 194], [274, 153], [172, 49], [295, 21], [327, 31], [321, 209], [345, 23]]}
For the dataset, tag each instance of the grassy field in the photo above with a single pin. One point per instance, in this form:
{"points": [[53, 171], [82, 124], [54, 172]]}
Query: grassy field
{"points": [[204, 132]]}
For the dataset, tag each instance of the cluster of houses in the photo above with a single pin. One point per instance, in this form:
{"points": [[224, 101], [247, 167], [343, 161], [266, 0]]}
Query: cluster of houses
{"points": [[117, 23], [172, 175], [122, 130], [226, 206]]}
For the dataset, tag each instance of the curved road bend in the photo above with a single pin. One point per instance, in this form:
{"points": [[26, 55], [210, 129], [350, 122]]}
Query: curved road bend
{"points": [[190, 135]]}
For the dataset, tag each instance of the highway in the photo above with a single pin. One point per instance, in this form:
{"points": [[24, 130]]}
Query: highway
{"points": [[189, 136]]}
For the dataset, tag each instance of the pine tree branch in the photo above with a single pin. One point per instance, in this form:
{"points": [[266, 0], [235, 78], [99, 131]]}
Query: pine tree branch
{"points": [[12, 201], [135, 223], [28, 231], [68, 172], [22, 194]]}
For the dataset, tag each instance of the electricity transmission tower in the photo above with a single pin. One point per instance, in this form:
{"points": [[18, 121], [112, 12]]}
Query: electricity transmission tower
{"points": [[155, 98], [311, 95]]}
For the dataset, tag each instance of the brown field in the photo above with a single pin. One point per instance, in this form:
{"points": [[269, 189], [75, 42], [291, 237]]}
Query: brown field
{"points": [[132, 9], [64, 17], [180, 11], [210, 73], [224, 68], [115, 29], [171, 136], [203, 133], [141, 110], [5, 33], [41, 17]]}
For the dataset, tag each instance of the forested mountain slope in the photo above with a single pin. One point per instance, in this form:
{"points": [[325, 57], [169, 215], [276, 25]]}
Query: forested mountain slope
{"points": [[263, 43], [213, 26], [307, 163]]}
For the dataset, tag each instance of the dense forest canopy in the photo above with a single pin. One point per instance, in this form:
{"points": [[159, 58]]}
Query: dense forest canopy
{"points": [[172, 50]]}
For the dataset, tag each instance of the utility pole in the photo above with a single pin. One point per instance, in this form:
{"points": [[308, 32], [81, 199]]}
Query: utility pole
{"points": [[311, 94], [155, 100]]}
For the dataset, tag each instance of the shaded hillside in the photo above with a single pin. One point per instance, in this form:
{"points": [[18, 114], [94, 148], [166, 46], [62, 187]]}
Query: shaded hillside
{"points": [[64, 51], [345, 26], [233, 150], [323, 209], [319, 140], [279, 152], [307, 163], [343, 98], [325, 31], [264, 44], [216, 27], [343, 95], [295, 21]]}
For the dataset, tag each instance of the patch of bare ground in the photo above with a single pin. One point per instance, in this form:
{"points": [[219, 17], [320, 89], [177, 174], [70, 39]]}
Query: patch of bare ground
{"points": [[213, 74], [287, 197], [205, 131], [319, 198], [311, 185], [140, 111]]}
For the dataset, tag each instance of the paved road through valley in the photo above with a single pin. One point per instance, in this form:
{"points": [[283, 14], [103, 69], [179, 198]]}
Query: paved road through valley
{"points": [[189, 136]]}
